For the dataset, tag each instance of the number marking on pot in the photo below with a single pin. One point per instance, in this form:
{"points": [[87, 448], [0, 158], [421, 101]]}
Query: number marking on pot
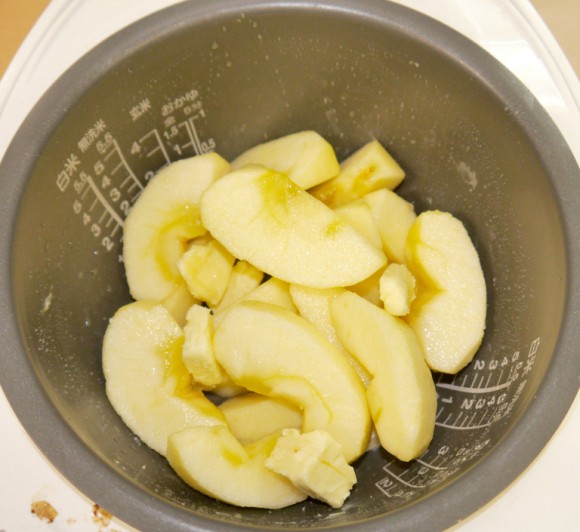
{"points": [[474, 400]]}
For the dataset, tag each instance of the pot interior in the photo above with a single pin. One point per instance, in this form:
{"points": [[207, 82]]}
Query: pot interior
{"points": [[182, 83]]}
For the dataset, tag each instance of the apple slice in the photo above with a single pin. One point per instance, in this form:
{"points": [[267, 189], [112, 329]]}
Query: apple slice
{"points": [[314, 305], [178, 303], [369, 168], [314, 463], [397, 287], [197, 353], [370, 288], [306, 157], [272, 291], [206, 270], [243, 279], [274, 352], [212, 461], [261, 216], [146, 380], [252, 416], [401, 395], [393, 217], [161, 223], [449, 313], [358, 214]]}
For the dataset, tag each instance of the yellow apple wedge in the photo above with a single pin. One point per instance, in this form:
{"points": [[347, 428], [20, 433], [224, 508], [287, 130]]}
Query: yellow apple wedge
{"points": [[306, 157], [211, 460], [178, 303], [313, 304], [161, 223], [197, 351], [401, 394], [252, 416], [449, 313], [260, 216], [244, 278], [146, 380], [397, 289], [358, 214], [272, 291], [367, 169], [206, 270], [274, 352], [393, 217]]}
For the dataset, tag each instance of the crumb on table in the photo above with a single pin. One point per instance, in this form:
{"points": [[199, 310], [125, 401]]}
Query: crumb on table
{"points": [[44, 510]]}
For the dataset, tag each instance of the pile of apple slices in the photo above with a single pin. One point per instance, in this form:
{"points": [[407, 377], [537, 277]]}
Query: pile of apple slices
{"points": [[287, 307]]}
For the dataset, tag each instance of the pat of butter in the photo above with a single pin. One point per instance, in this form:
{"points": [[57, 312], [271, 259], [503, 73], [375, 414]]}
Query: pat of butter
{"points": [[313, 462]]}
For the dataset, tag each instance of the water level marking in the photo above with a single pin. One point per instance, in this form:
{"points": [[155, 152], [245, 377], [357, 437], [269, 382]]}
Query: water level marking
{"points": [[100, 198], [159, 145], [431, 466], [455, 427], [122, 163], [468, 389], [398, 477]]}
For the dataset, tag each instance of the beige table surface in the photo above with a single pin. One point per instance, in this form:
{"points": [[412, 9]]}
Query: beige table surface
{"points": [[18, 16]]}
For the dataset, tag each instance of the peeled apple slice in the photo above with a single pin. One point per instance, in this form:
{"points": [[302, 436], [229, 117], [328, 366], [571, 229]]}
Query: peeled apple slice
{"points": [[397, 288], [146, 380], [197, 352], [243, 279], [369, 168], [252, 416], [358, 214], [206, 270], [178, 303], [401, 394], [161, 223], [261, 216], [306, 157], [272, 291], [448, 315], [211, 460], [314, 305], [394, 217], [272, 351]]}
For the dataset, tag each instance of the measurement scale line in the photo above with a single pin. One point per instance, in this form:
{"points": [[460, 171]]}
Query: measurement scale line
{"points": [[397, 477], [196, 137], [107, 155], [484, 415], [114, 170], [487, 381], [104, 202], [468, 389], [431, 466], [162, 146], [127, 167], [470, 427]]}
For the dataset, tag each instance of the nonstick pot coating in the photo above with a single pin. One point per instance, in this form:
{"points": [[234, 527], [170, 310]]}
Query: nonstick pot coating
{"points": [[225, 76]]}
